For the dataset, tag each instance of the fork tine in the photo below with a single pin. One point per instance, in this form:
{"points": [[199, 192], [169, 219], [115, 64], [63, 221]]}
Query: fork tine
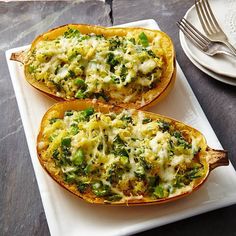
{"points": [[193, 33], [196, 31], [202, 17], [208, 16], [217, 27], [189, 36]]}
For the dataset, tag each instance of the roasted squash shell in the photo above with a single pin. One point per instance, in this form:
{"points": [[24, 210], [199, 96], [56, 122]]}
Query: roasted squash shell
{"points": [[146, 98], [210, 158]]}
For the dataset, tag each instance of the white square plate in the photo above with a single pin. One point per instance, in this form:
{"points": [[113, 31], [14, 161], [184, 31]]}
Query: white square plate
{"points": [[68, 215]]}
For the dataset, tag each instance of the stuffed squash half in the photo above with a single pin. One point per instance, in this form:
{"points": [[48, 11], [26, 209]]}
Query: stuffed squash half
{"points": [[110, 155], [130, 67]]}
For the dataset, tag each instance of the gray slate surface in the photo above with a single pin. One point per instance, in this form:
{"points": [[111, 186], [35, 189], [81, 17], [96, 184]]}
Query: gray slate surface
{"points": [[21, 211]]}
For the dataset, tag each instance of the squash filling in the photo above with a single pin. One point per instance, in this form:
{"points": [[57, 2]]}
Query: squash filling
{"points": [[118, 157], [76, 65]]}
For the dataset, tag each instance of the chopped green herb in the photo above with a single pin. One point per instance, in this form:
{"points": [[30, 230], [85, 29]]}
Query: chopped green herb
{"points": [[164, 126], [102, 96], [32, 69], [127, 118], [124, 160], [151, 53], [82, 187], [101, 190], [159, 192], [115, 80], [55, 154], [177, 134], [193, 174], [74, 129], [71, 33], [140, 172], [114, 197], [147, 166], [84, 37], [57, 69], [181, 180], [52, 120], [69, 113], [57, 86], [80, 94], [78, 158], [116, 172], [114, 43], [123, 73], [72, 73], [72, 56], [89, 111], [143, 39], [87, 169], [66, 142], [70, 177], [132, 40], [181, 141], [146, 120], [153, 181], [112, 61], [79, 81], [119, 147]]}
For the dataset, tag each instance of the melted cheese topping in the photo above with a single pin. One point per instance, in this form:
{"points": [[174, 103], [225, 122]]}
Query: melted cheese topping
{"points": [[76, 65], [121, 156]]}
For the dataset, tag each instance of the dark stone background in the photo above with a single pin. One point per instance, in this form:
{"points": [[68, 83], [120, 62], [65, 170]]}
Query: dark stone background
{"points": [[21, 211]]}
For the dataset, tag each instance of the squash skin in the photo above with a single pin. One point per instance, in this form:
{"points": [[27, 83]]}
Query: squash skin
{"points": [[152, 96], [212, 158]]}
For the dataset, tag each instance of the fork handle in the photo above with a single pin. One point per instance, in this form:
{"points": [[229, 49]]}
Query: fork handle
{"points": [[230, 46], [220, 48]]}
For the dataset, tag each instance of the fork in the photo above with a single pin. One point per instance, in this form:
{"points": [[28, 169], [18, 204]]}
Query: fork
{"points": [[200, 41], [210, 24]]}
